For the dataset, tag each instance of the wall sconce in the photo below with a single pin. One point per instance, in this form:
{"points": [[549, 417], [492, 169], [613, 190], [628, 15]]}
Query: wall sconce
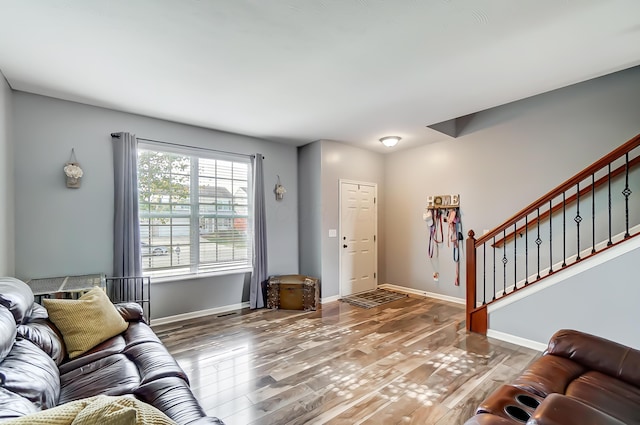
{"points": [[390, 141], [279, 190], [73, 171]]}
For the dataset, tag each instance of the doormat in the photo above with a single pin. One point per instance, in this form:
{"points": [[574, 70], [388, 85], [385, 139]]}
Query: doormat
{"points": [[373, 298]]}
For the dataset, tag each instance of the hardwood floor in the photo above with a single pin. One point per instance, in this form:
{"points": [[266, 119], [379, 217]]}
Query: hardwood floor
{"points": [[406, 362]]}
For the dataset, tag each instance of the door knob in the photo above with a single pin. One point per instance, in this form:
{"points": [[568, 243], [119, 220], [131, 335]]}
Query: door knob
{"points": [[344, 246]]}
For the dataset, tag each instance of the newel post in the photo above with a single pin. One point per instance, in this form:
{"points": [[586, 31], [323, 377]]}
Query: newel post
{"points": [[471, 276]]}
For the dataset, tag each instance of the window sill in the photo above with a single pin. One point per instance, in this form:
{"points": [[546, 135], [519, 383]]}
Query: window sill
{"points": [[193, 276]]}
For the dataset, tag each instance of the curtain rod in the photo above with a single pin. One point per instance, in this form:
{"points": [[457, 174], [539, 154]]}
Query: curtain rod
{"points": [[117, 136]]}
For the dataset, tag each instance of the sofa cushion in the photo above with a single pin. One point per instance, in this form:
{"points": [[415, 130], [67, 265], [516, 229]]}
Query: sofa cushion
{"points": [[131, 312], [37, 312], [112, 375], [549, 374], [137, 333], [42, 334], [174, 397], [31, 373], [107, 348], [85, 322], [16, 296], [610, 395], [596, 353], [154, 362], [7, 332], [13, 405]]}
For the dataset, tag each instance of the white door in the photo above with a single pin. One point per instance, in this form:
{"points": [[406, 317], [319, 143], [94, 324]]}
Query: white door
{"points": [[358, 226]]}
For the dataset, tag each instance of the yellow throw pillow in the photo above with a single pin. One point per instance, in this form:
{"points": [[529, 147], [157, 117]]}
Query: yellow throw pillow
{"points": [[85, 322]]}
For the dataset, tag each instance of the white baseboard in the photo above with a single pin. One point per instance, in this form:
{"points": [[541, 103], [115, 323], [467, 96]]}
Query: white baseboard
{"points": [[534, 345], [217, 310], [329, 299], [418, 292], [199, 313]]}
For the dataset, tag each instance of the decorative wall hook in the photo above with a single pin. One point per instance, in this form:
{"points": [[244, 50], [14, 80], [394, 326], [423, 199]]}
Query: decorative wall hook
{"points": [[279, 190], [73, 171]]}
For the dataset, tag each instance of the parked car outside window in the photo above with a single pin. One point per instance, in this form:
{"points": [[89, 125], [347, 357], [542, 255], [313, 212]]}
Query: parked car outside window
{"points": [[148, 250]]}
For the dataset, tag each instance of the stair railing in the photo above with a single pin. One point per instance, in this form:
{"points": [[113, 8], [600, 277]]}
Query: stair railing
{"points": [[583, 216]]}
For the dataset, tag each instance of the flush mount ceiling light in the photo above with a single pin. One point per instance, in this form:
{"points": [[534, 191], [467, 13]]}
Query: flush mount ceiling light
{"points": [[390, 141]]}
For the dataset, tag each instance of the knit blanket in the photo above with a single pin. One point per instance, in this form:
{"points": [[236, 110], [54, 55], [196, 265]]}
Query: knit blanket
{"points": [[104, 410]]}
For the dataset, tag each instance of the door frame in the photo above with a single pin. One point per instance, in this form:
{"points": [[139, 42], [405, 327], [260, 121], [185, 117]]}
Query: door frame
{"points": [[375, 243]]}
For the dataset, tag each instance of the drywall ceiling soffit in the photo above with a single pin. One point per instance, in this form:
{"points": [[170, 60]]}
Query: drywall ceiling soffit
{"points": [[300, 70]]}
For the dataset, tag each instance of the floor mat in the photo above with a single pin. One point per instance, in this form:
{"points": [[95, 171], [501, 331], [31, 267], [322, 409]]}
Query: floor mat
{"points": [[373, 298]]}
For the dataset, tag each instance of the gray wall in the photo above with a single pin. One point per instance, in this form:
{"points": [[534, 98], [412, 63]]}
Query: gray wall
{"points": [[340, 161], [7, 221], [504, 159], [322, 164], [310, 209], [62, 231], [580, 302]]}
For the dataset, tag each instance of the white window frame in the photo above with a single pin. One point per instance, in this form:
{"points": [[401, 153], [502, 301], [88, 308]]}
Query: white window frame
{"points": [[197, 267]]}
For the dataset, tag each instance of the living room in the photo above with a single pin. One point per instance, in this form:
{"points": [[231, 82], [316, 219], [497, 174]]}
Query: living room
{"points": [[502, 158]]}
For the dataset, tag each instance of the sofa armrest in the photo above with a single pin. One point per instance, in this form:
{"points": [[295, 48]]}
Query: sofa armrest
{"points": [[173, 397], [131, 312], [488, 419], [558, 409], [596, 353]]}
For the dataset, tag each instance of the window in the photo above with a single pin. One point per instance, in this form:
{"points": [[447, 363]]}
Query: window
{"points": [[194, 211]]}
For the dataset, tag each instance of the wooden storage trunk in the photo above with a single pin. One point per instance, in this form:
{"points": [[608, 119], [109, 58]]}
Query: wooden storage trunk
{"points": [[293, 292]]}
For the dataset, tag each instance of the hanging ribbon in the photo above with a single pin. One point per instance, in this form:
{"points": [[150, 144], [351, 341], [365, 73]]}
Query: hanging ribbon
{"points": [[454, 234], [433, 232], [453, 238]]}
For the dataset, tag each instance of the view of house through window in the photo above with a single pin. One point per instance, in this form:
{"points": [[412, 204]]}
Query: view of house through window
{"points": [[194, 212]]}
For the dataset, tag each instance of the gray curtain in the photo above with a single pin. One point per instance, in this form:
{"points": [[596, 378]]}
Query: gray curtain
{"points": [[127, 256], [259, 275]]}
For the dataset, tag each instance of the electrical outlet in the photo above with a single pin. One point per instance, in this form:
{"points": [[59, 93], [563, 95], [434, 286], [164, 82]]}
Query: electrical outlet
{"points": [[436, 276]]}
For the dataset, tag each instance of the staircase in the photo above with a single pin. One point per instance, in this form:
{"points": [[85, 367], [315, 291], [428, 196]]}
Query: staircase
{"points": [[584, 217]]}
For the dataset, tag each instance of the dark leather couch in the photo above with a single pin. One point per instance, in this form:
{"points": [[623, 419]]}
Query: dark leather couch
{"points": [[580, 379], [36, 374]]}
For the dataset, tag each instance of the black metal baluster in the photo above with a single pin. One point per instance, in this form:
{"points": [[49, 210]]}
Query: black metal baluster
{"points": [[550, 239], [626, 192], [593, 213], [609, 195], [515, 261], [484, 273], [578, 219], [504, 262], [494, 268], [526, 250], [538, 242], [564, 230]]}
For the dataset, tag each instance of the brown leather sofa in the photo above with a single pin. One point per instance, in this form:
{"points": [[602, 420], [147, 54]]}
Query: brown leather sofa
{"points": [[36, 374], [580, 379]]}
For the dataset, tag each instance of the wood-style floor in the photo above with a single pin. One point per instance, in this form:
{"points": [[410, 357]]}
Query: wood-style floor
{"points": [[406, 362]]}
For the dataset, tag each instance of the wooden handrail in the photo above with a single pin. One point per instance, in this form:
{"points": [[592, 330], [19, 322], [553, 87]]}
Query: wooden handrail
{"points": [[571, 199], [596, 166], [476, 316]]}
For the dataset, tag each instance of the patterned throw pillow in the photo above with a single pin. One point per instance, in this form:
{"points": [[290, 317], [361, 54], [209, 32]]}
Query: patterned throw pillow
{"points": [[85, 322]]}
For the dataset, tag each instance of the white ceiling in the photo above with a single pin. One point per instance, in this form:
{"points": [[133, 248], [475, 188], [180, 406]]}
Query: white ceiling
{"points": [[296, 71]]}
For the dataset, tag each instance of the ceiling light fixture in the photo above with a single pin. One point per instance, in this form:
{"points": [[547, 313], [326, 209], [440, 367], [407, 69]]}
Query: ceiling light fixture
{"points": [[390, 141]]}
